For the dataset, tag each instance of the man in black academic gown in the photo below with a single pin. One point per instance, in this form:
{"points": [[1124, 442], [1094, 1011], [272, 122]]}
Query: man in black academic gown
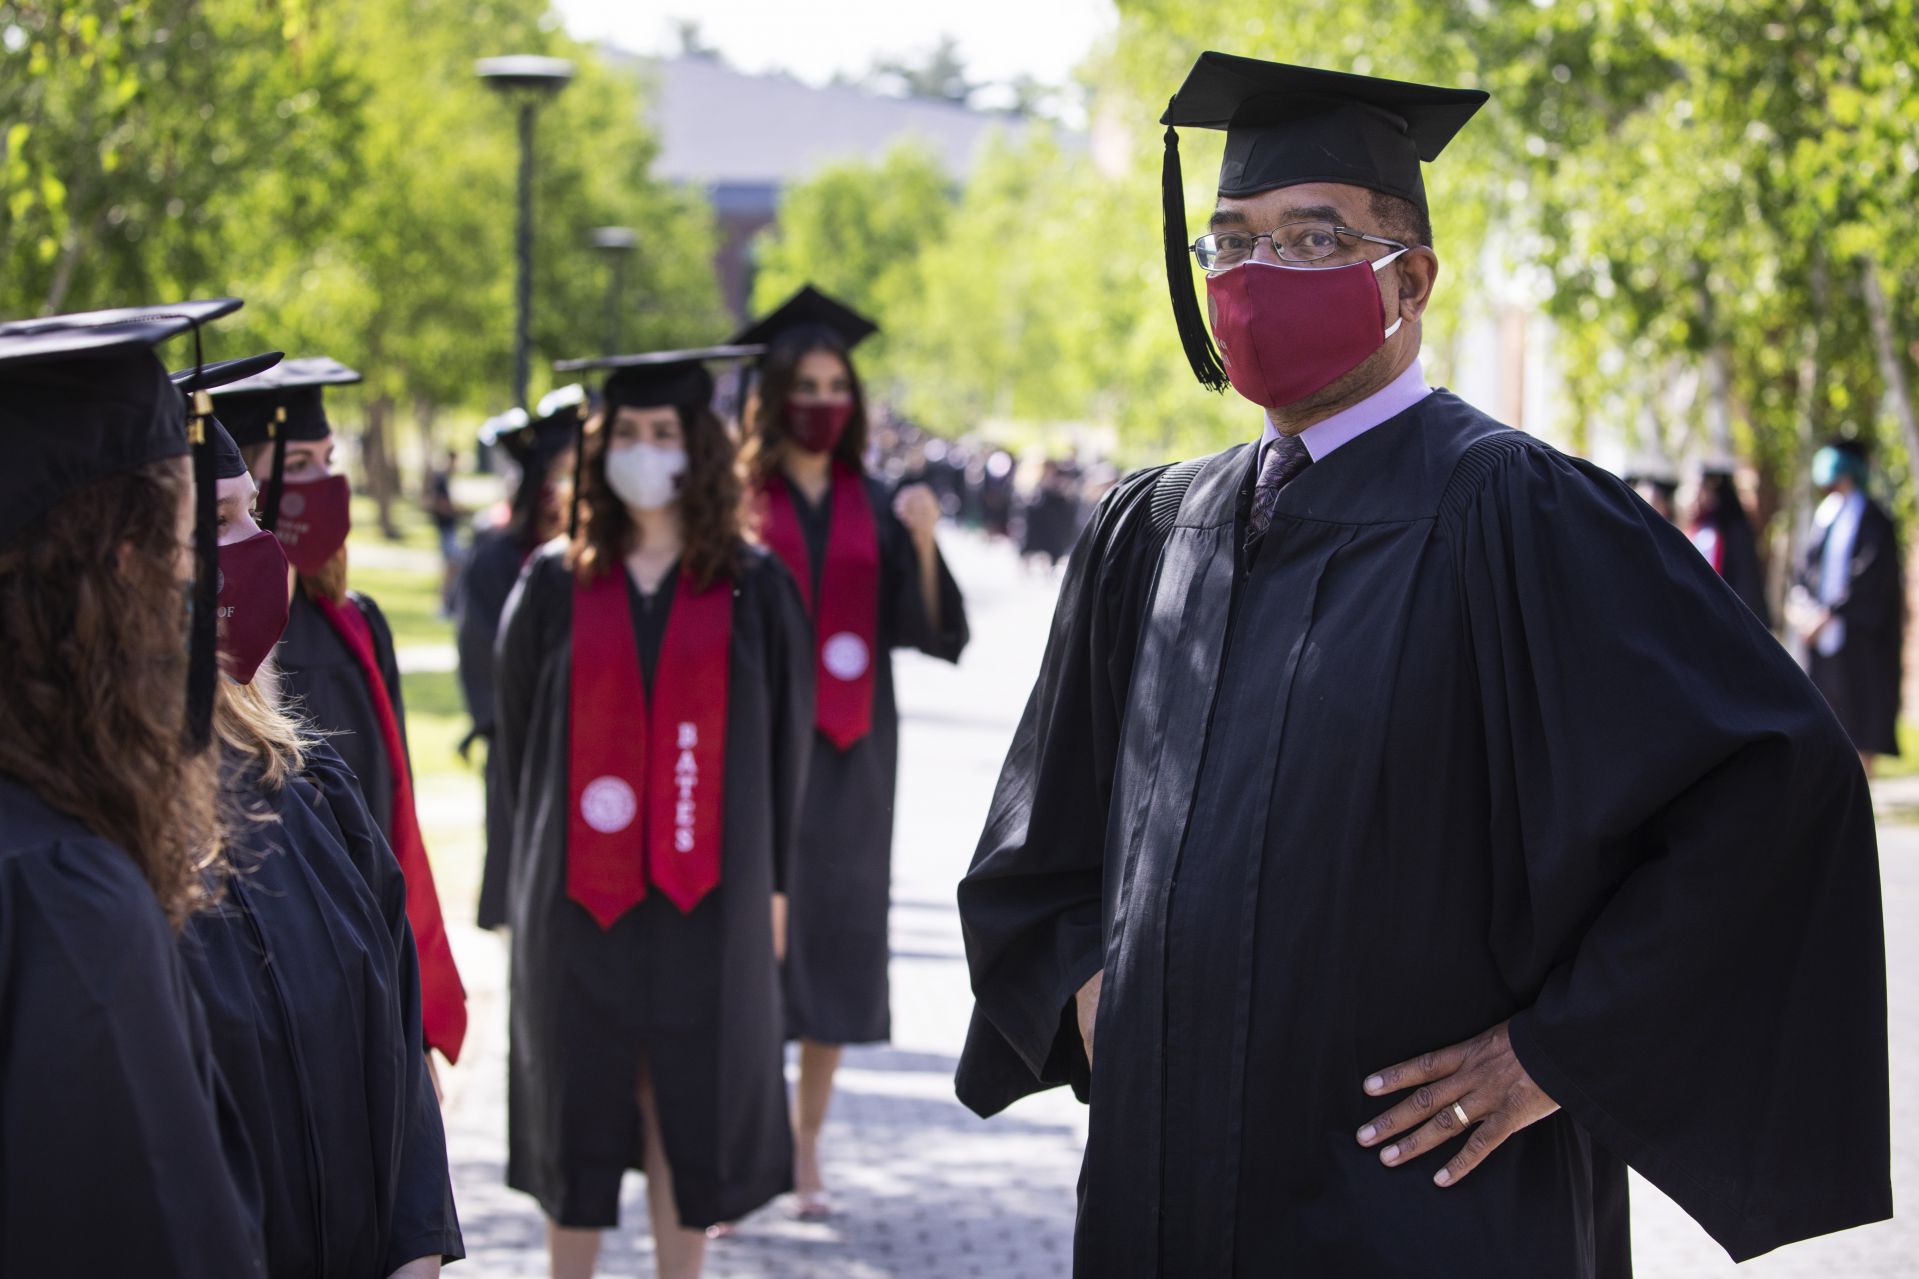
{"points": [[1398, 780], [1853, 588]]}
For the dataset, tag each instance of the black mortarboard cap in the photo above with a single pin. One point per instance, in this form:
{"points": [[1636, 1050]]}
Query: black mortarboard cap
{"points": [[284, 400], [659, 379], [656, 379], [534, 442], [281, 403], [83, 397], [808, 309], [228, 464], [1286, 125]]}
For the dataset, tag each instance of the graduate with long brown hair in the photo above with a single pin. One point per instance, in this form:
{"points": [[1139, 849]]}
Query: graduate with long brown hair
{"points": [[306, 966], [655, 709], [873, 578], [337, 662], [112, 1159]]}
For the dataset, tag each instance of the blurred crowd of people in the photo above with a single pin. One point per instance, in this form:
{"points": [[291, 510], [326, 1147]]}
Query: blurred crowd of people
{"points": [[1842, 604]]}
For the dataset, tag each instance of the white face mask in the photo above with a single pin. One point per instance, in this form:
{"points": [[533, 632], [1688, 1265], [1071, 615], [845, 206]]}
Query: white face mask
{"points": [[646, 476]]}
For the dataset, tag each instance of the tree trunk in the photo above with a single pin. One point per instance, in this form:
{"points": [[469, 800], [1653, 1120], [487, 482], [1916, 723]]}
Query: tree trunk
{"points": [[1885, 346], [376, 455], [425, 416], [1718, 381], [1892, 369], [79, 239], [1805, 413]]}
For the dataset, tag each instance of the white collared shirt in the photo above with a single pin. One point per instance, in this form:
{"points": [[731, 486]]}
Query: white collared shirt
{"points": [[1347, 425]]}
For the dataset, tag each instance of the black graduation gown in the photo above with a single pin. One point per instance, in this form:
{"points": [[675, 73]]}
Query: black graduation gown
{"points": [[696, 995], [112, 1160], [492, 567], [1862, 680], [312, 992], [1050, 524], [842, 883], [1739, 564], [321, 681], [1475, 736]]}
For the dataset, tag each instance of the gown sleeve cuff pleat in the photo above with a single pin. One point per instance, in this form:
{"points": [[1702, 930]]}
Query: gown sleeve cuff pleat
{"points": [[1744, 1230]]}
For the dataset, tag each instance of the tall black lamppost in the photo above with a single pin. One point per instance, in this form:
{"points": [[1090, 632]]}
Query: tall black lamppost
{"points": [[527, 81], [616, 244]]}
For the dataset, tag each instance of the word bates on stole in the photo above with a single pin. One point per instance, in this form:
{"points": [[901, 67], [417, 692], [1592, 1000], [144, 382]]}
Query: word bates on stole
{"points": [[609, 805]]}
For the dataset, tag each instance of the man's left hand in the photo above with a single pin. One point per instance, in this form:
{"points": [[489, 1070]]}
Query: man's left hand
{"points": [[1482, 1077]]}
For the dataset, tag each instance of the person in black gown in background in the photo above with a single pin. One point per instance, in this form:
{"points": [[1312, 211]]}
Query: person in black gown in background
{"points": [[1658, 487], [336, 663], [113, 1160], [1852, 594], [1407, 831], [655, 709], [544, 452], [1723, 532], [869, 566], [306, 966]]}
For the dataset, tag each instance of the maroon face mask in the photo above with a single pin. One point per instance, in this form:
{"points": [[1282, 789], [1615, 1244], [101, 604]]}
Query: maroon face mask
{"points": [[253, 602], [315, 516], [817, 427], [1288, 331]]}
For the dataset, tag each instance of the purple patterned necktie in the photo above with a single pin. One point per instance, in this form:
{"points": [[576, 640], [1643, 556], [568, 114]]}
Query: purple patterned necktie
{"points": [[1286, 457]]}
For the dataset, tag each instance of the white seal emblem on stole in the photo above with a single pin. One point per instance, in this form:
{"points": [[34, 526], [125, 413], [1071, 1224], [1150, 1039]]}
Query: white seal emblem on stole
{"points": [[608, 805]]}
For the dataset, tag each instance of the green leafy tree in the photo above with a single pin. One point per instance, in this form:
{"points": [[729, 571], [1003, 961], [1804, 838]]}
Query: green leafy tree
{"points": [[144, 145], [342, 168], [858, 230]]}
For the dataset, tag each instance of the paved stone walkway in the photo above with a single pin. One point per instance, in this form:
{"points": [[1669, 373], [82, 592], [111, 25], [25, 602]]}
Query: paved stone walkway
{"points": [[927, 1191]]}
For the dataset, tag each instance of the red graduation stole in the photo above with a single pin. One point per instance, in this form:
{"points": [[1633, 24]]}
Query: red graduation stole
{"points": [[442, 996], [669, 775], [847, 614]]}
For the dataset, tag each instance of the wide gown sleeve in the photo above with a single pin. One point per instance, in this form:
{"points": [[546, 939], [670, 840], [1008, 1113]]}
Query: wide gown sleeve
{"points": [[906, 619], [1685, 863], [485, 584], [425, 1222], [1875, 594], [111, 1158], [789, 679], [517, 657], [1030, 907]]}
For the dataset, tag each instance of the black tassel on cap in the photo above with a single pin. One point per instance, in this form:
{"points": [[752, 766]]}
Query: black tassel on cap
{"points": [[203, 667], [276, 476], [1187, 315], [579, 477]]}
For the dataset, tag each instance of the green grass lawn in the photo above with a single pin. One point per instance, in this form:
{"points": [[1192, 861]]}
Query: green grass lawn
{"points": [[1906, 763], [410, 598]]}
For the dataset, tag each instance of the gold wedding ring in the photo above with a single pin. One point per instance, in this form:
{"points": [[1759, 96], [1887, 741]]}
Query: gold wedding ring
{"points": [[1459, 1113]]}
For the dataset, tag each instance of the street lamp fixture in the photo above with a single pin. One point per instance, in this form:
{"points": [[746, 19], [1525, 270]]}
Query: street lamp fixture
{"points": [[528, 81], [616, 244]]}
